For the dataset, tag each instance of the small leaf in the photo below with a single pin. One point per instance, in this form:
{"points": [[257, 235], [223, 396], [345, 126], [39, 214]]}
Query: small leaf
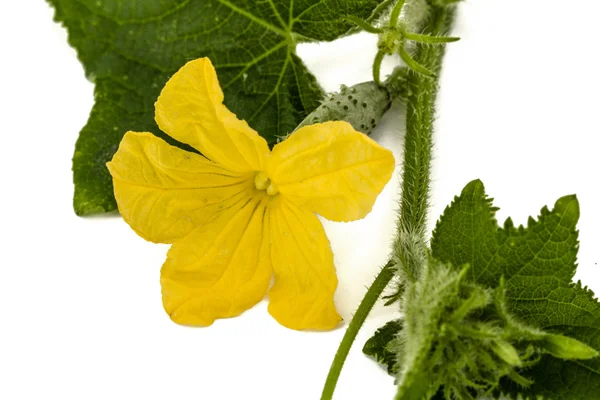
{"points": [[467, 233], [378, 346]]}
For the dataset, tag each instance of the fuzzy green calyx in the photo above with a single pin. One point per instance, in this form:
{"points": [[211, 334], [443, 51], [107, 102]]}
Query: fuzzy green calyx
{"points": [[390, 40]]}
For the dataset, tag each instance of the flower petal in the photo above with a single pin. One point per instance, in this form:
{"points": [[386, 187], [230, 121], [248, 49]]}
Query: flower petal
{"points": [[219, 270], [305, 280], [190, 109], [332, 170], [164, 192]]}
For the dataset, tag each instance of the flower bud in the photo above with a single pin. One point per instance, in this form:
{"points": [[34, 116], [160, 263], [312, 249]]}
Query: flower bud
{"points": [[506, 352], [567, 348]]}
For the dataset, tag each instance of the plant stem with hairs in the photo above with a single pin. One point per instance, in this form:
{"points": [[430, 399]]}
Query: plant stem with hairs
{"points": [[409, 249]]}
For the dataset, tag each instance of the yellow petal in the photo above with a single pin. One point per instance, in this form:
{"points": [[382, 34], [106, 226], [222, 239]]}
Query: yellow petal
{"points": [[190, 109], [305, 280], [219, 270], [164, 192], [332, 170]]}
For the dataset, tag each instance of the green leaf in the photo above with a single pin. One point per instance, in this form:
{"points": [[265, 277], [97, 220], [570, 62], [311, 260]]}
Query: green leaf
{"points": [[538, 263], [468, 233], [130, 49], [572, 311], [377, 346]]}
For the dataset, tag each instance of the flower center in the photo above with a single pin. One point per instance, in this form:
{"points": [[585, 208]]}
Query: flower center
{"points": [[262, 182]]}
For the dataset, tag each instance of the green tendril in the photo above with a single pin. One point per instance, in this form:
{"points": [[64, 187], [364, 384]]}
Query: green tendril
{"points": [[377, 67]]}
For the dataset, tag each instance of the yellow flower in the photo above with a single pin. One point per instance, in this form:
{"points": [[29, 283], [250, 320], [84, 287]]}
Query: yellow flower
{"points": [[241, 213]]}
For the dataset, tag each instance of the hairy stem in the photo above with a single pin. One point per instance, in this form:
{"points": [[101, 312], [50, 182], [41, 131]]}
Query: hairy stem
{"points": [[377, 67], [410, 244], [410, 248], [367, 303], [422, 93]]}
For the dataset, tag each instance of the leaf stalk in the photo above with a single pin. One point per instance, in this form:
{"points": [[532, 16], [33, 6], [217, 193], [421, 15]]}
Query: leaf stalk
{"points": [[365, 307]]}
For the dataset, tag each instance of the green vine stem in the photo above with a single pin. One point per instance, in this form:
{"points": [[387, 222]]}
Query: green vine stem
{"points": [[410, 244], [367, 303], [410, 248]]}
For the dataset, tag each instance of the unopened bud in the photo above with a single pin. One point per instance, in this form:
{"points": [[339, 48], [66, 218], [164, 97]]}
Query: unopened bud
{"points": [[567, 348], [506, 352]]}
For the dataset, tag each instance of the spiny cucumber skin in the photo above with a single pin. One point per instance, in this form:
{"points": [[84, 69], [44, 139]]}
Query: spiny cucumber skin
{"points": [[361, 105]]}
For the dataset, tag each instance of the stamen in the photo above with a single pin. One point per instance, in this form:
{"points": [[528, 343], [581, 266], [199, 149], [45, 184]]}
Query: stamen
{"points": [[261, 181], [272, 189]]}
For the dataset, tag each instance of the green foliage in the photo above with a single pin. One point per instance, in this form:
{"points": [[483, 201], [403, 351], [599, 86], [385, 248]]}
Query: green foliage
{"points": [[498, 313], [468, 232], [379, 345], [130, 49], [459, 338], [537, 263]]}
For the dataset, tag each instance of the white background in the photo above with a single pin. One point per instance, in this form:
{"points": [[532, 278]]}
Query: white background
{"points": [[80, 308]]}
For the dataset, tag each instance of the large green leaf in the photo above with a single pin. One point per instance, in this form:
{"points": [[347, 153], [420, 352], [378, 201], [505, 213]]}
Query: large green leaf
{"points": [[538, 263], [129, 48]]}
